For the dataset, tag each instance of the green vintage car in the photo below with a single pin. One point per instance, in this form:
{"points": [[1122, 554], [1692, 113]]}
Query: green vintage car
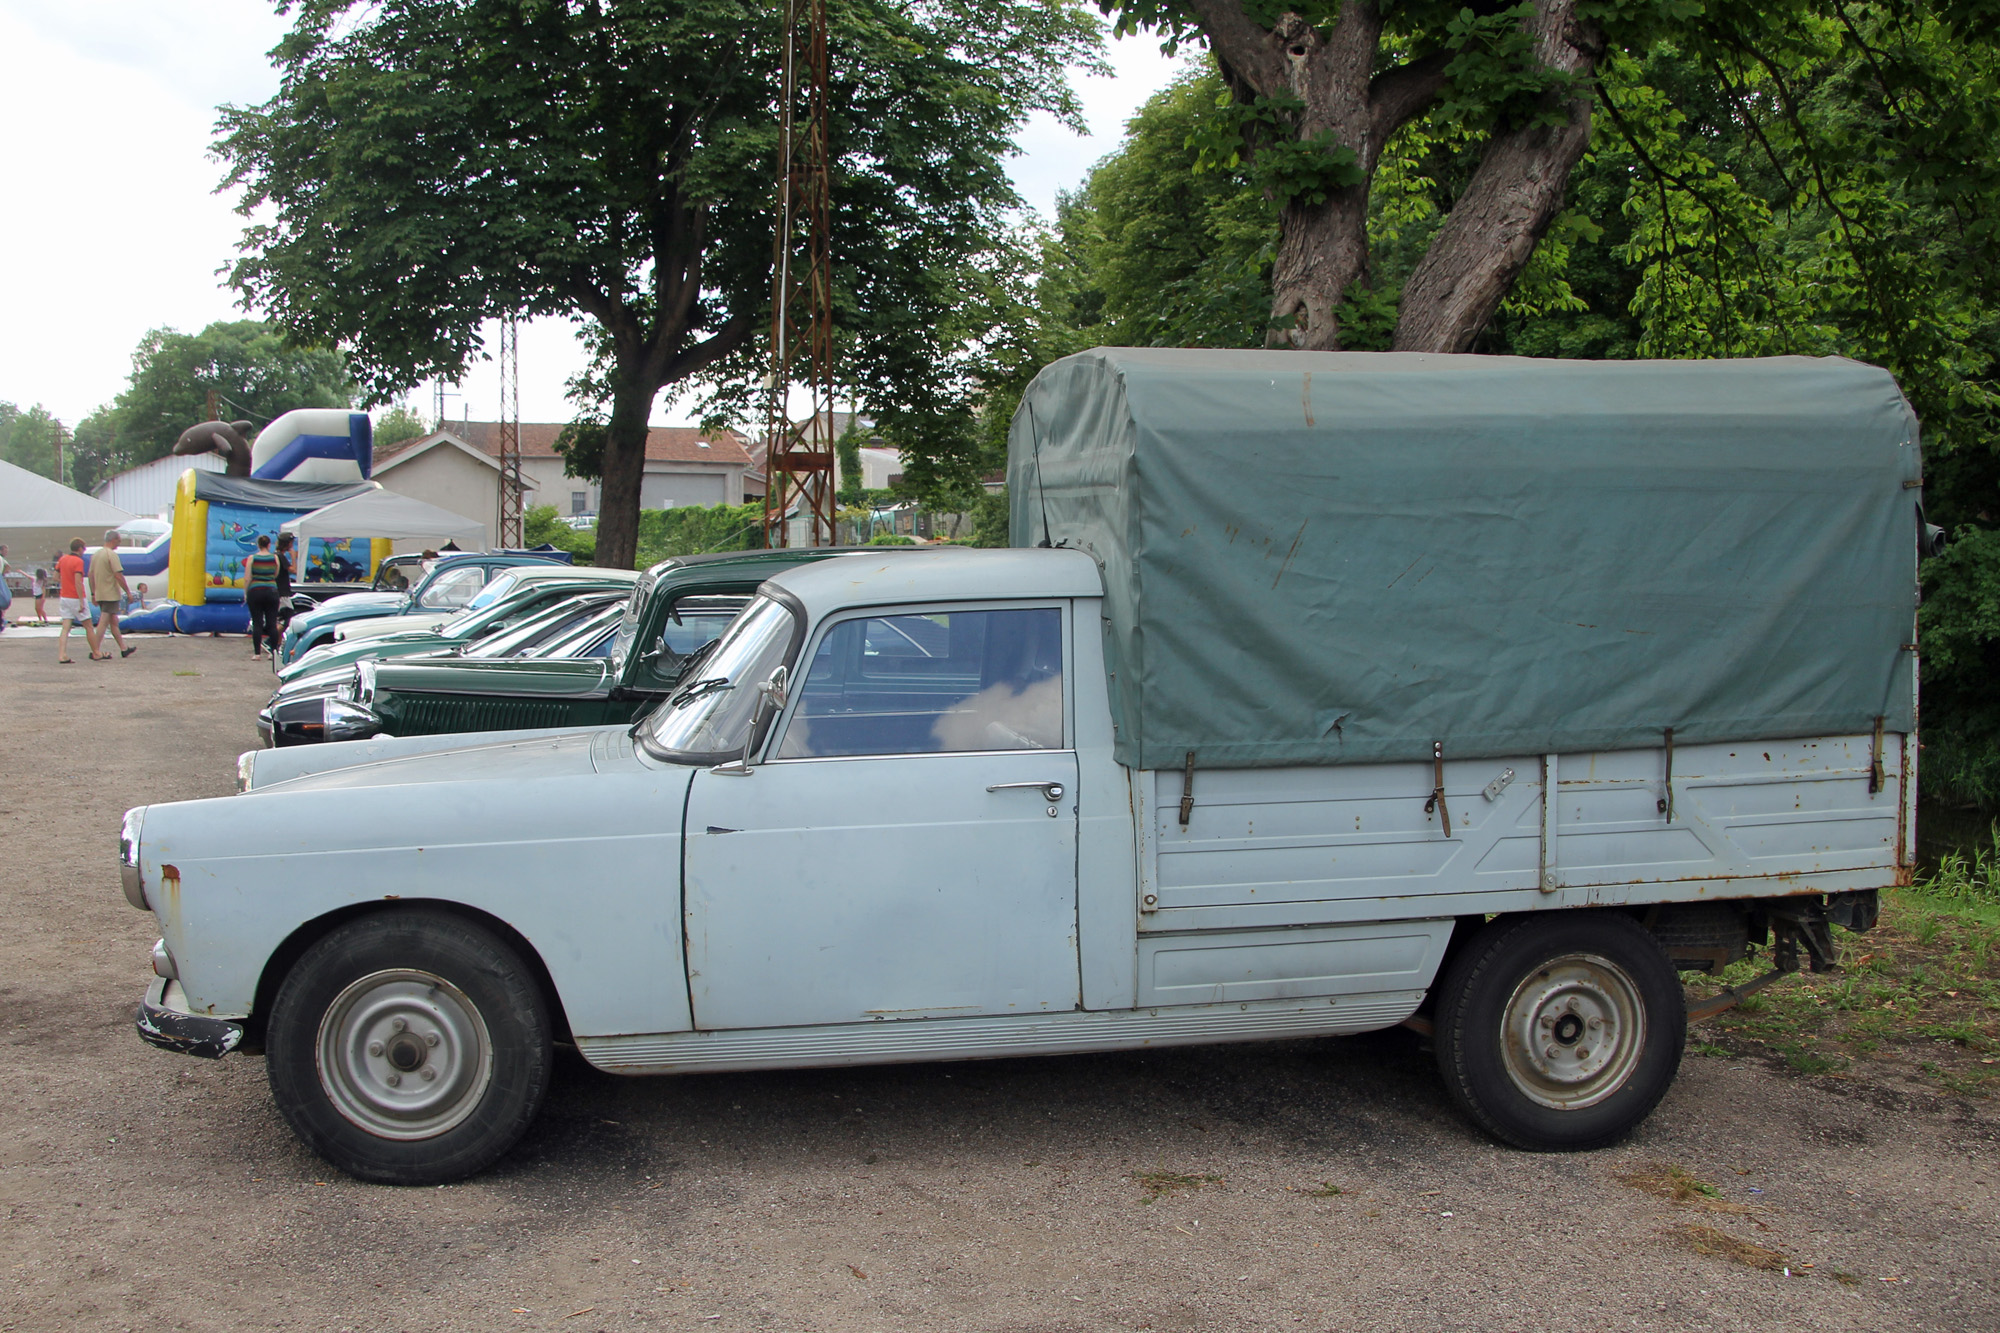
{"points": [[676, 609]]}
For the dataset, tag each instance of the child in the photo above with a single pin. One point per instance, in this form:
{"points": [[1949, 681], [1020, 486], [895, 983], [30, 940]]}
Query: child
{"points": [[139, 598], [40, 584]]}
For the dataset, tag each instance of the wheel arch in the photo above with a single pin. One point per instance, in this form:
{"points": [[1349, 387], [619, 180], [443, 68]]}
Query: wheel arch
{"points": [[279, 965]]}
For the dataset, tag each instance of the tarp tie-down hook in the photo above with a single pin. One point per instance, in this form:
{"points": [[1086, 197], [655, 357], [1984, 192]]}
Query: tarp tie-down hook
{"points": [[1436, 802], [1187, 790], [1666, 803]]}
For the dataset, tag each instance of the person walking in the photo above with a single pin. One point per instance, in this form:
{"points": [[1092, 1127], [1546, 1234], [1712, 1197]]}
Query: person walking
{"points": [[70, 604], [260, 595], [6, 593], [108, 589], [288, 569]]}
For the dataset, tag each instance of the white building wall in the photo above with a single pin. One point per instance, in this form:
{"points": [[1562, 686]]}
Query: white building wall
{"points": [[672, 490], [452, 480], [148, 489]]}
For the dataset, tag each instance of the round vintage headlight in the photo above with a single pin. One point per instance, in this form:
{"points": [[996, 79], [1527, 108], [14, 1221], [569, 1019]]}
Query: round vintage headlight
{"points": [[246, 764], [128, 857], [344, 721]]}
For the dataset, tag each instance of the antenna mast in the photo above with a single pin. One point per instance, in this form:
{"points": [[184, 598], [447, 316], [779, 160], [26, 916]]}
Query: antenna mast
{"points": [[798, 463], [510, 433]]}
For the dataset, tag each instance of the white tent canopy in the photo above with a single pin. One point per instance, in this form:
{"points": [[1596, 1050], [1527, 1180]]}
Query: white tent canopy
{"points": [[387, 514], [37, 515]]}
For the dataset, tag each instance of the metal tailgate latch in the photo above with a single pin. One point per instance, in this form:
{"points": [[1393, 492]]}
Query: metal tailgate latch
{"points": [[1436, 802], [1187, 791]]}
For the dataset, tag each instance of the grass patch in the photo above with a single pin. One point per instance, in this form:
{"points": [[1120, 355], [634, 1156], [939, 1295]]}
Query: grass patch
{"points": [[1679, 1185], [1920, 993], [1722, 1245], [1326, 1189], [1159, 1184], [187, 673]]}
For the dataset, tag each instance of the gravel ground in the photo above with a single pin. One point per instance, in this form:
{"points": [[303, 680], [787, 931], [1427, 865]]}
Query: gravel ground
{"points": [[1309, 1185]]}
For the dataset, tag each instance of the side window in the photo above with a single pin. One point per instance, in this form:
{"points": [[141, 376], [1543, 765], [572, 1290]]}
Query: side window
{"points": [[453, 589], [932, 683], [695, 621]]}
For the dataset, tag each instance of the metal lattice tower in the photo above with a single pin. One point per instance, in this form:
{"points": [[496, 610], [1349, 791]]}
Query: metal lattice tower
{"points": [[798, 464], [510, 434]]}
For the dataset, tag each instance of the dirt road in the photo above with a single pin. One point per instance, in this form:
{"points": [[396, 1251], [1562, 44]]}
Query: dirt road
{"points": [[1312, 1185]]}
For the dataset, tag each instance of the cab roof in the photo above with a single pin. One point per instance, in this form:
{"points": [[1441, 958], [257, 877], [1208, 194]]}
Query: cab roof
{"points": [[944, 574]]}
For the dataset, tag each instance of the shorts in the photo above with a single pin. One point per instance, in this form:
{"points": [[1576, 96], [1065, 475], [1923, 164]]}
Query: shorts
{"points": [[72, 608], [110, 608]]}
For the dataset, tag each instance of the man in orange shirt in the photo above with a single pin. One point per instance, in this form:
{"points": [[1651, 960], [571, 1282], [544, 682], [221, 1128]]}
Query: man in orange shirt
{"points": [[69, 600]]}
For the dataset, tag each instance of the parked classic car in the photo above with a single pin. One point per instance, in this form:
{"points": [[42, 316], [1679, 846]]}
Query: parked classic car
{"points": [[511, 596], [453, 581], [581, 625], [672, 612]]}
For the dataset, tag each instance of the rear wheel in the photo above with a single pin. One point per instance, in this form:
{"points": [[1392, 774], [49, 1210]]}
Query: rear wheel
{"points": [[1560, 1031], [409, 1048]]}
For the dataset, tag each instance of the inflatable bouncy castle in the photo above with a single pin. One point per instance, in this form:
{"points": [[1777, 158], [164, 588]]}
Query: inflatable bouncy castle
{"points": [[303, 461]]}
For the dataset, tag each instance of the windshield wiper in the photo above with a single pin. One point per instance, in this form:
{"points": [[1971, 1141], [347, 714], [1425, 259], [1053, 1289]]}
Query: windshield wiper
{"points": [[702, 687]]}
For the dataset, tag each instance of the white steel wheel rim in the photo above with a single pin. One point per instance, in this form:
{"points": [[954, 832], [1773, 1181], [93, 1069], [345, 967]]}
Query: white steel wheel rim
{"points": [[404, 1054], [1572, 1031]]}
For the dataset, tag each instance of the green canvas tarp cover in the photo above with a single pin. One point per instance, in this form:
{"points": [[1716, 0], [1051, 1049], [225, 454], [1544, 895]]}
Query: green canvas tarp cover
{"points": [[1343, 557]]}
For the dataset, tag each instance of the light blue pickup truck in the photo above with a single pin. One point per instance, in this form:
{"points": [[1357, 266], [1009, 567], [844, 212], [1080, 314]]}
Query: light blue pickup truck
{"points": [[1476, 695]]}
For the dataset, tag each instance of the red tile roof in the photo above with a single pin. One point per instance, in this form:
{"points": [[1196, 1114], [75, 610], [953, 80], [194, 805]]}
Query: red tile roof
{"points": [[664, 444]]}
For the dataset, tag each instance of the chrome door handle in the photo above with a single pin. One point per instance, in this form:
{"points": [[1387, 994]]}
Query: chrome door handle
{"points": [[1052, 790]]}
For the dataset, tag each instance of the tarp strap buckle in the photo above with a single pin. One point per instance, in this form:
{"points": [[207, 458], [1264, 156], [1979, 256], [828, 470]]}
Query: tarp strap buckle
{"points": [[1436, 802], [1876, 778], [1666, 803], [1187, 790]]}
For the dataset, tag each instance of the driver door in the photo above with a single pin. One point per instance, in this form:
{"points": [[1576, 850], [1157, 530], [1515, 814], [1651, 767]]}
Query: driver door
{"points": [[898, 855]]}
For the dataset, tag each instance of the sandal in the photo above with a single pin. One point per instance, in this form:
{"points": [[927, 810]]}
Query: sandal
{"points": [[64, 661], [127, 652]]}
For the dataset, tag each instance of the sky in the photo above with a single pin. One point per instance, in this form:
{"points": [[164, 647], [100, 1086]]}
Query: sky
{"points": [[110, 224]]}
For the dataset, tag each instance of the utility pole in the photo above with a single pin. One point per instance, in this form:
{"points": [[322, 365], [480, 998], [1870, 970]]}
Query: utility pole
{"points": [[798, 464], [510, 434]]}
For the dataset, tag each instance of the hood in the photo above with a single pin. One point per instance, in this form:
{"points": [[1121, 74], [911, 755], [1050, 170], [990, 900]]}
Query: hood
{"points": [[551, 754], [353, 606], [376, 626], [533, 677]]}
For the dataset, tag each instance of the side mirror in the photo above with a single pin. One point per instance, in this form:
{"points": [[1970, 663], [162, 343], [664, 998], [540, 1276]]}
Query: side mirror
{"points": [[770, 702]]}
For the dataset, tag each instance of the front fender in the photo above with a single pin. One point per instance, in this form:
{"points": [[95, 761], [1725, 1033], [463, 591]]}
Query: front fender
{"points": [[584, 865]]}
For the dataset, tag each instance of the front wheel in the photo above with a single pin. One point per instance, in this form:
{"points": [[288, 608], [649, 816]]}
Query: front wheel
{"points": [[1560, 1031], [409, 1048]]}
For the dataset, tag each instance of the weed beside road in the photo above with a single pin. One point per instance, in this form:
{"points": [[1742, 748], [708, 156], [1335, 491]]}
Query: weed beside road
{"points": [[1921, 991]]}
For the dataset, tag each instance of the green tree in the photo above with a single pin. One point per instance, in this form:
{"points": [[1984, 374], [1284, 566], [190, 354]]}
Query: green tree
{"points": [[399, 423], [28, 438], [256, 371], [433, 164]]}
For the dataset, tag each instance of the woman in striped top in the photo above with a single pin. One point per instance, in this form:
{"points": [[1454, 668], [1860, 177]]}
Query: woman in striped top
{"points": [[260, 595]]}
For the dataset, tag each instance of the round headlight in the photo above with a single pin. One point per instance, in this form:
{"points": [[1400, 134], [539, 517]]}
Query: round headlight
{"points": [[246, 764], [344, 721]]}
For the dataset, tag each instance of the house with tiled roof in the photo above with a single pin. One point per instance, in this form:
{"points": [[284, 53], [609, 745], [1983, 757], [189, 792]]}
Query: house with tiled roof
{"points": [[458, 468]]}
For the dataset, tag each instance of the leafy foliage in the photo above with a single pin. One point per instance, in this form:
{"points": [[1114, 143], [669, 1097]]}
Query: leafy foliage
{"points": [[429, 165], [398, 424], [540, 524], [694, 530]]}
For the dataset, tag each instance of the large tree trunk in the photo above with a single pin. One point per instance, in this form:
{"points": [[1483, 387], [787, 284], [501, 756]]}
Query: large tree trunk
{"points": [[1515, 194], [1322, 247], [624, 471]]}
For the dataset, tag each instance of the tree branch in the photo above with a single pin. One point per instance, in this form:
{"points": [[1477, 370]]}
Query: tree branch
{"points": [[727, 339], [1242, 45], [1396, 95]]}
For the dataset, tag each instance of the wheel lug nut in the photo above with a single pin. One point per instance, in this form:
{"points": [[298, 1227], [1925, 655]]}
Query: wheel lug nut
{"points": [[430, 1039], [398, 1025], [1582, 1052], [374, 1048], [429, 1073], [1551, 1052], [395, 1080], [1596, 1023]]}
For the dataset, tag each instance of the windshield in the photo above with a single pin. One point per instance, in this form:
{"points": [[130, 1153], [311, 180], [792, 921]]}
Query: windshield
{"points": [[501, 585], [711, 713], [537, 629]]}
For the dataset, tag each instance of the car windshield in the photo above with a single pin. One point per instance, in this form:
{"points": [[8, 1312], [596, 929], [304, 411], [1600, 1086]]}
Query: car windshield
{"points": [[588, 637], [711, 713], [501, 585], [518, 640], [449, 589]]}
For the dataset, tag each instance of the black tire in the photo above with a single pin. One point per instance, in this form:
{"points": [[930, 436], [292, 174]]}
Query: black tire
{"points": [[409, 1048], [1569, 978]]}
